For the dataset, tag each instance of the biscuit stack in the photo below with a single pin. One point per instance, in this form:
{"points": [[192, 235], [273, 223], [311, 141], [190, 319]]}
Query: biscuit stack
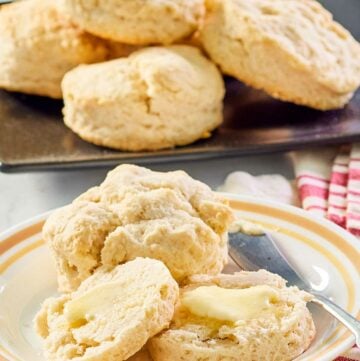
{"points": [[171, 95], [129, 252]]}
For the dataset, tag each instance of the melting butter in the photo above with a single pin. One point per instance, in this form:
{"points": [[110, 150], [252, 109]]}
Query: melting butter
{"points": [[230, 304], [83, 308]]}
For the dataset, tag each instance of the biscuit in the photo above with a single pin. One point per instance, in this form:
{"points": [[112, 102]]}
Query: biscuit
{"points": [[136, 212], [156, 98], [76, 235], [292, 49], [140, 22], [39, 45], [112, 314], [280, 335]]}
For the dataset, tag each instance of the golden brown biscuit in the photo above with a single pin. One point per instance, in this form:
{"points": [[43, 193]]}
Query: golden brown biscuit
{"points": [[156, 98], [39, 45], [136, 212], [292, 49], [138, 22]]}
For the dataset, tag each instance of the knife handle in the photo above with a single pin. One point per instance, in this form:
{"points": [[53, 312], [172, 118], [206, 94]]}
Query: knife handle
{"points": [[341, 315]]}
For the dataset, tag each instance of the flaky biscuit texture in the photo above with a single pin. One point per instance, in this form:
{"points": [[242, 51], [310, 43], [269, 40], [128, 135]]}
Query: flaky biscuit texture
{"points": [[136, 212]]}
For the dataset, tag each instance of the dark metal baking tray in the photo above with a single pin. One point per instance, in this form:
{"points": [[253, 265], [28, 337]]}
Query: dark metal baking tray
{"points": [[33, 136]]}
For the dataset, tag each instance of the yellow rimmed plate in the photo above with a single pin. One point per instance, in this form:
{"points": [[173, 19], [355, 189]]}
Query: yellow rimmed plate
{"points": [[325, 254]]}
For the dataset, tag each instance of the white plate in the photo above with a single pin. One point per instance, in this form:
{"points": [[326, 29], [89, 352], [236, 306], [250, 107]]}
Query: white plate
{"points": [[324, 253]]}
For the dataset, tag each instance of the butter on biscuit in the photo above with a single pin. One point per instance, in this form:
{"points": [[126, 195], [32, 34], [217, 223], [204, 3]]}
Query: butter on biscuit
{"points": [[112, 314], [245, 316]]}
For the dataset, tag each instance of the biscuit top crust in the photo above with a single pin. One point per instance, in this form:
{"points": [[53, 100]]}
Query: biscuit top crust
{"points": [[158, 97], [301, 28], [31, 23], [38, 18], [137, 212], [189, 195], [146, 75], [138, 22]]}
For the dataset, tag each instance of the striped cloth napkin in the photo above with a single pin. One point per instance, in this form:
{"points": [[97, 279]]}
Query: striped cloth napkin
{"points": [[328, 181], [313, 176], [353, 192], [327, 184], [337, 201]]}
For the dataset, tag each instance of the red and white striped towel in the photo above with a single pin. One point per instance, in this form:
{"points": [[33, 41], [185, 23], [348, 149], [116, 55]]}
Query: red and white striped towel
{"points": [[337, 201], [313, 173], [353, 192]]}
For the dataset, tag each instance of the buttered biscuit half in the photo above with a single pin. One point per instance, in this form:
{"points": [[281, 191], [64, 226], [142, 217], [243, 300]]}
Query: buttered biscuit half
{"points": [[112, 314], [247, 316]]}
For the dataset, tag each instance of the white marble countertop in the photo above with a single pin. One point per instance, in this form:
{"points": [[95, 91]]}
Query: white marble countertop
{"points": [[28, 194]]}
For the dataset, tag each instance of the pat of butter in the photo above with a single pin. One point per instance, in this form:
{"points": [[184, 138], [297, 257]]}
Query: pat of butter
{"points": [[83, 308], [249, 228], [230, 304]]}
